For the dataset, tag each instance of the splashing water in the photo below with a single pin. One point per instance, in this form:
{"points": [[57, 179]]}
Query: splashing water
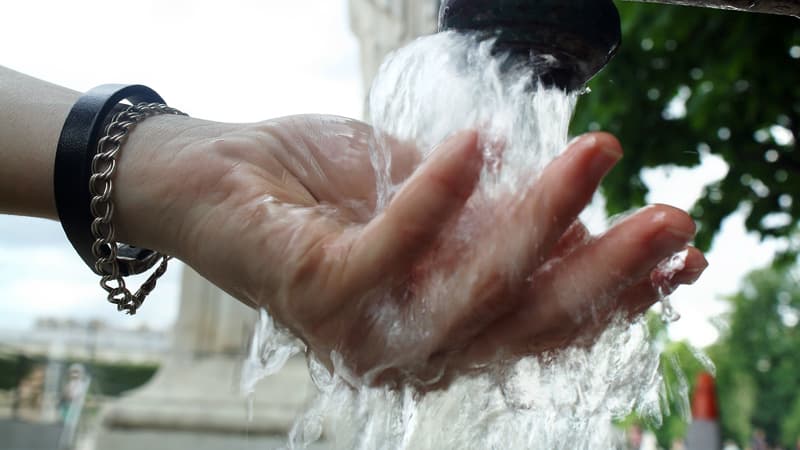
{"points": [[566, 400], [662, 279], [270, 349]]}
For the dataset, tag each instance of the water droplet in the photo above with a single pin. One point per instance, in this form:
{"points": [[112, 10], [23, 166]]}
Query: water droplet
{"points": [[771, 156], [782, 135], [662, 279], [741, 86], [705, 360], [724, 133], [251, 400], [794, 52], [761, 136], [647, 44]]}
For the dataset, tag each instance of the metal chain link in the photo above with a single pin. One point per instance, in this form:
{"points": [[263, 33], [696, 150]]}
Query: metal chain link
{"points": [[101, 185]]}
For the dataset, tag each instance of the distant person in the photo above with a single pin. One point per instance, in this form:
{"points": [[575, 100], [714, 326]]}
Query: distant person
{"points": [[74, 390], [759, 441], [730, 445], [678, 444], [30, 394]]}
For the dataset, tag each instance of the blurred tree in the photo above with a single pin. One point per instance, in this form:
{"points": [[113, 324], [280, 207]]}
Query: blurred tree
{"points": [[757, 358], [688, 81], [680, 367], [791, 425]]}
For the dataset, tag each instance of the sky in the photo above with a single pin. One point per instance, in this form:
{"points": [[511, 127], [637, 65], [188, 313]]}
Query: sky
{"points": [[240, 61], [232, 61]]}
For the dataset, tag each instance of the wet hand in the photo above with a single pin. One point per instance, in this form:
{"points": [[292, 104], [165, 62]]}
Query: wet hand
{"points": [[281, 215]]}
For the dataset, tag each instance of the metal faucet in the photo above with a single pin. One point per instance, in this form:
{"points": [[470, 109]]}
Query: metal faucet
{"points": [[568, 41]]}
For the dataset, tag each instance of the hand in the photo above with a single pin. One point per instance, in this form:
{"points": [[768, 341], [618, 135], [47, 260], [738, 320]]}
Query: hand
{"points": [[281, 215]]}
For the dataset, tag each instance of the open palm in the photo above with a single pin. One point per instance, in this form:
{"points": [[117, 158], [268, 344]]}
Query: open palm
{"points": [[281, 215]]}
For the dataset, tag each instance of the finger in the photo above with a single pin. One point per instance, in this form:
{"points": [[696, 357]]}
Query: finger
{"points": [[577, 291], [565, 188], [543, 217], [640, 297], [625, 254], [576, 236], [430, 199]]}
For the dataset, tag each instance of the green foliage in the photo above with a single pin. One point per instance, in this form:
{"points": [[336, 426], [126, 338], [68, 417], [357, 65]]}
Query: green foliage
{"points": [[736, 75], [115, 379], [757, 364], [12, 369], [758, 360], [107, 378], [742, 81], [680, 368], [791, 425], [737, 392]]}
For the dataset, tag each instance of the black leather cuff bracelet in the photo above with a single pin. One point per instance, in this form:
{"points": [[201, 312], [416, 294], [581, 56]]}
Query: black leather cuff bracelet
{"points": [[77, 146]]}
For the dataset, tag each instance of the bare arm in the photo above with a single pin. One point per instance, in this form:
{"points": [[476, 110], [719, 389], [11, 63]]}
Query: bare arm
{"points": [[32, 113]]}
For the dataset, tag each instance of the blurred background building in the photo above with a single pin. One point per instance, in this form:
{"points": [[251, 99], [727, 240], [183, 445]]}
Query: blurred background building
{"points": [[384, 25]]}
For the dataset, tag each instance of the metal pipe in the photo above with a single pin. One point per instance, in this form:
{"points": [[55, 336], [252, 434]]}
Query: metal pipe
{"points": [[781, 7]]}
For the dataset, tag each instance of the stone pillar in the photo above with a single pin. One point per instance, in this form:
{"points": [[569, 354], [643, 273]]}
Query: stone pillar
{"points": [[194, 399], [384, 25]]}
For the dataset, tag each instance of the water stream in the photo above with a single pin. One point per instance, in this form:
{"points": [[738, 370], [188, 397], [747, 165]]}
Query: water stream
{"points": [[568, 400]]}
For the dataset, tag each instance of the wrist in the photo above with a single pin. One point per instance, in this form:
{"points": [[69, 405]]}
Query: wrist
{"points": [[152, 179]]}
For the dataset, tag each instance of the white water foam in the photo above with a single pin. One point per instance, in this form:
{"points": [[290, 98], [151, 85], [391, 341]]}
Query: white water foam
{"points": [[565, 400]]}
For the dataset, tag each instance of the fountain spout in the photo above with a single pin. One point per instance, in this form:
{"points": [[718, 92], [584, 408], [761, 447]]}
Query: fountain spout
{"points": [[568, 42]]}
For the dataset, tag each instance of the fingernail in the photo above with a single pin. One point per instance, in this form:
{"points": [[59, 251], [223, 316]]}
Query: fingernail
{"points": [[693, 275], [603, 160], [468, 141], [671, 240]]}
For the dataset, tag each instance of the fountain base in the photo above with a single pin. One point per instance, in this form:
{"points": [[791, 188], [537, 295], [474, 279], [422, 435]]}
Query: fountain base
{"points": [[194, 400]]}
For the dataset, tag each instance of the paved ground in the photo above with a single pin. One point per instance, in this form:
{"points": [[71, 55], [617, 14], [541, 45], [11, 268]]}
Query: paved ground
{"points": [[18, 435], [166, 440]]}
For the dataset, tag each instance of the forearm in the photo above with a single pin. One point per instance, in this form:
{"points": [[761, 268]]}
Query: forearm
{"points": [[32, 113]]}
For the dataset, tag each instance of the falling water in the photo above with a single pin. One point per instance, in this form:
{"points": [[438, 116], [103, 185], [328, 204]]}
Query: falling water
{"points": [[563, 400]]}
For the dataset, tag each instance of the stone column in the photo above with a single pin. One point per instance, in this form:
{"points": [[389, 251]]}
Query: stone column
{"points": [[384, 25]]}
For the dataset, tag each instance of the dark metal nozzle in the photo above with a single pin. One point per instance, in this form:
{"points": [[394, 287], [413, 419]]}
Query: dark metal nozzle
{"points": [[568, 41]]}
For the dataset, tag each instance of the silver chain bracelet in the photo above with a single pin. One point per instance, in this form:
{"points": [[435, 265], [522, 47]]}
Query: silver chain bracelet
{"points": [[101, 185]]}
